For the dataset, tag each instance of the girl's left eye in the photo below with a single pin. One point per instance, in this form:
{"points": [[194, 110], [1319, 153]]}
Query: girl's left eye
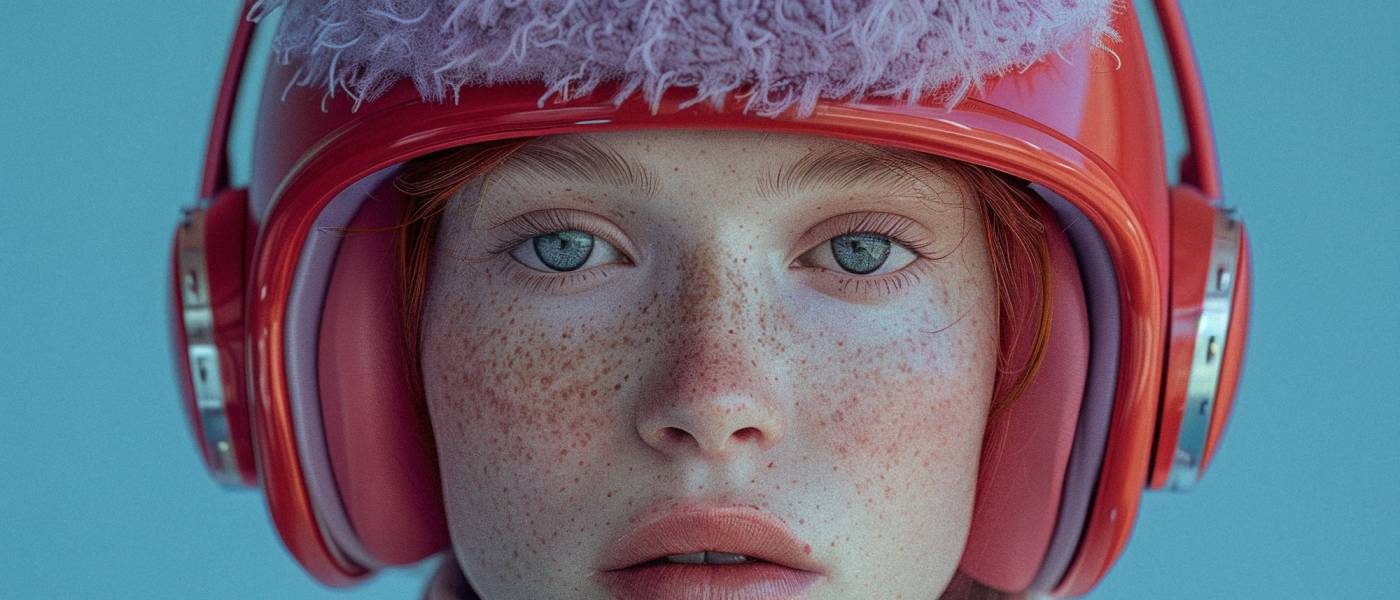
{"points": [[860, 253]]}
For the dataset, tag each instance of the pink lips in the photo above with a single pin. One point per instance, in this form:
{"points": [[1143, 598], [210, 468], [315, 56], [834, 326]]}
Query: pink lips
{"points": [[627, 570]]}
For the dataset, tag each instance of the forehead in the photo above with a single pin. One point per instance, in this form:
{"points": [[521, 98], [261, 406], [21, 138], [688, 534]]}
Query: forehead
{"points": [[768, 164]]}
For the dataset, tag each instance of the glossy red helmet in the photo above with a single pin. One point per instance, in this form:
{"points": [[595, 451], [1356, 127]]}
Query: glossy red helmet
{"points": [[284, 366]]}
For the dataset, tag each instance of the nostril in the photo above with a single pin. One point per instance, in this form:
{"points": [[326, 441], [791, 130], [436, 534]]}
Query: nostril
{"points": [[709, 441], [748, 434], [673, 435]]}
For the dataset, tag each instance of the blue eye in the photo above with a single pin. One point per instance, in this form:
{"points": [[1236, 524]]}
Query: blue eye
{"points": [[860, 253], [564, 250], [866, 244]]}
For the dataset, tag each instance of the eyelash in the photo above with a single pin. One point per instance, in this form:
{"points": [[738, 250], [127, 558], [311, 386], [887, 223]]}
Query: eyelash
{"points": [[897, 228], [544, 222]]}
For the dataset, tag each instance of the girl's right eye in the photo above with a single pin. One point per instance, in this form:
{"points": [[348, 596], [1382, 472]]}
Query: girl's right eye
{"points": [[564, 251]]}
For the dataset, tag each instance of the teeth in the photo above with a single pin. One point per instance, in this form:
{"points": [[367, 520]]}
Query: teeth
{"points": [[709, 558], [694, 558], [725, 558]]}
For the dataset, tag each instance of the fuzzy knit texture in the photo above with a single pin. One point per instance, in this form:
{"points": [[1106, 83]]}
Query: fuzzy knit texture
{"points": [[770, 54]]}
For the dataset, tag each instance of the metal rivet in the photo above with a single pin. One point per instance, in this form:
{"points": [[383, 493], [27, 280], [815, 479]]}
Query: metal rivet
{"points": [[1222, 279], [1212, 350]]}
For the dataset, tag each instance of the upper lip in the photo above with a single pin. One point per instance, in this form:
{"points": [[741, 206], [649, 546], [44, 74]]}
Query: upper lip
{"points": [[688, 528]]}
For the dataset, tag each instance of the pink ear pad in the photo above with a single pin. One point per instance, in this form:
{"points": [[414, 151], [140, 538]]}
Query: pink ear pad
{"points": [[377, 432], [1027, 446]]}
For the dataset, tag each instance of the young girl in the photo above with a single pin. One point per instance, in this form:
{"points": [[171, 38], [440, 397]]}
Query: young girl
{"points": [[690, 300], [787, 332]]}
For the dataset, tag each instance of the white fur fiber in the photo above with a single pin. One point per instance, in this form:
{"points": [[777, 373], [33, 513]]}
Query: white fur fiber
{"points": [[772, 54]]}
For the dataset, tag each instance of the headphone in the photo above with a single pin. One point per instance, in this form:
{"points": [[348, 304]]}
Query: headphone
{"points": [[286, 334]]}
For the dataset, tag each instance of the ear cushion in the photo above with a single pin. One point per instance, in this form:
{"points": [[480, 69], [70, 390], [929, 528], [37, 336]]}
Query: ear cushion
{"points": [[377, 431], [1100, 387], [1027, 446]]}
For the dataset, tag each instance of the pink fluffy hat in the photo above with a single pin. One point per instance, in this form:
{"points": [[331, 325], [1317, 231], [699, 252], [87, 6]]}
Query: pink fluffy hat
{"points": [[774, 54]]}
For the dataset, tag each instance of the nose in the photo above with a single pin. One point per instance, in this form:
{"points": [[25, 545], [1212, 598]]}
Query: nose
{"points": [[711, 420], [714, 394]]}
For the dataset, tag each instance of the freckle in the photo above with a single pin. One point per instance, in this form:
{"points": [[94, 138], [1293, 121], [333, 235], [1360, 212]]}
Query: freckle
{"points": [[770, 465]]}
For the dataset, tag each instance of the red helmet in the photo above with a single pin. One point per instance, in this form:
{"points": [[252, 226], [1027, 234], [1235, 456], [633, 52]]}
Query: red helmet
{"points": [[282, 361]]}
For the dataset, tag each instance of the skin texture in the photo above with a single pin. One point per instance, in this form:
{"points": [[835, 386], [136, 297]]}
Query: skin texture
{"points": [[719, 354]]}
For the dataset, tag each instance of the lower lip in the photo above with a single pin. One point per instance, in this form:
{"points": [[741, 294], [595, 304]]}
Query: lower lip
{"points": [[753, 581]]}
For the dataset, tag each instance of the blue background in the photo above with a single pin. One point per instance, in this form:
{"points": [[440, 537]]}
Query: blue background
{"points": [[104, 110]]}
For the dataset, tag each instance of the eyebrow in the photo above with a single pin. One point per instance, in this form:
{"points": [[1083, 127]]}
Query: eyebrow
{"points": [[842, 167], [837, 167], [566, 159]]}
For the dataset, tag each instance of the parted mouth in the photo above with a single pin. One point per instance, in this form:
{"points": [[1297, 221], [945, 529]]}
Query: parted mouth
{"points": [[708, 534]]}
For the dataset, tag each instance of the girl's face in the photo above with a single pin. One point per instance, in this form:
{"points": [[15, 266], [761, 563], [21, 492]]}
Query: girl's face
{"points": [[672, 336]]}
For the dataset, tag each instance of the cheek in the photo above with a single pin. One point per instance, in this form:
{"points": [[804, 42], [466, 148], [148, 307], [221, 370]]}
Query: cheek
{"points": [[529, 397], [895, 419], [525, 413], [911, 405]]}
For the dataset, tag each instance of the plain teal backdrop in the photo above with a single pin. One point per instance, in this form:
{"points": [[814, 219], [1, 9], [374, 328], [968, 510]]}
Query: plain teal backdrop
{"points": [[103, 116]]}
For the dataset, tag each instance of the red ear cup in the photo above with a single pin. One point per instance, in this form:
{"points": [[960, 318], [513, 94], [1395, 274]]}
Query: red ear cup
{"points": [[1232, 365], [377, 432], [1209, 310], [207, 322], [1027, 446]]}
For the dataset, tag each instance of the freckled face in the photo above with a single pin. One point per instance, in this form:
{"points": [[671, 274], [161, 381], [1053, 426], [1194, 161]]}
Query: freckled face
{"points": [[594, 348]]}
